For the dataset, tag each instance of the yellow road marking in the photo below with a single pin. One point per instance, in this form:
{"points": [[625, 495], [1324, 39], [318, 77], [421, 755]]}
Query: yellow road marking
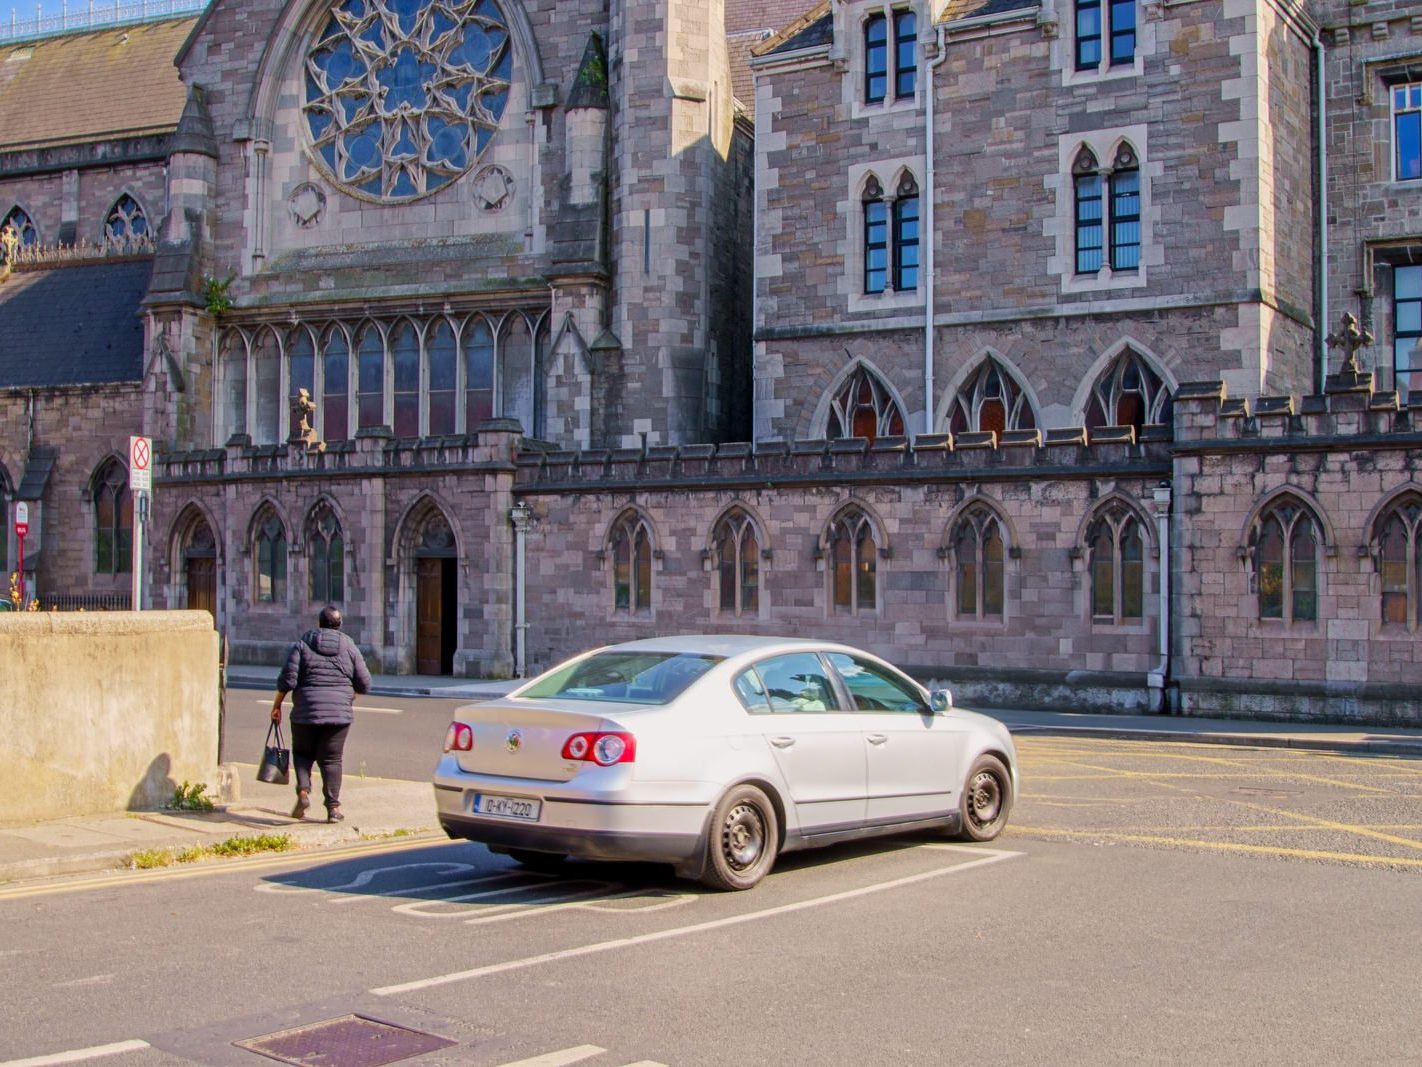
{"points": [[1226, 846]]}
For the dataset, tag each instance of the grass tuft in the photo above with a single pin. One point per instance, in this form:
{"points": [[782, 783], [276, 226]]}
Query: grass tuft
{"points": [[150, 858]]}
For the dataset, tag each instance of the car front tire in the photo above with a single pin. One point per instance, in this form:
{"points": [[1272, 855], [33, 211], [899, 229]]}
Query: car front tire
{"points": [[744, 840], [986, 800]]}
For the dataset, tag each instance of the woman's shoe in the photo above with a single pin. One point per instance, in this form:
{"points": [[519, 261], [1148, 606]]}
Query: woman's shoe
{"points": [[303, 801], [334, 813]]}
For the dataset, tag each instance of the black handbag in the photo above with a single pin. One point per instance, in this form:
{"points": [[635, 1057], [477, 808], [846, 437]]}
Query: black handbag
{"points": [[276, 759]]}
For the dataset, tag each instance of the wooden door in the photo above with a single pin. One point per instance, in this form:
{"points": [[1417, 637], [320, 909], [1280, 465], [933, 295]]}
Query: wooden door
{"points": [[429, 616], [202, 585]]}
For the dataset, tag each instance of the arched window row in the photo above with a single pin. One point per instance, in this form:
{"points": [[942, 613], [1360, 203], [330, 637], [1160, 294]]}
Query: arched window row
{"points": [[420, 376], [325, 556]]}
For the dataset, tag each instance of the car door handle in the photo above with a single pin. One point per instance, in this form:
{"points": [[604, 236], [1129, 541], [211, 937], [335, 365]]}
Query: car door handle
{"points": [[782, 742], [876, 739]]}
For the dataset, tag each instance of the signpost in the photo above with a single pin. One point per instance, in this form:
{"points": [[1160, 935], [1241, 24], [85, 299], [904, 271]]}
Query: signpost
{"points": [[140, 484], [22, 527]]}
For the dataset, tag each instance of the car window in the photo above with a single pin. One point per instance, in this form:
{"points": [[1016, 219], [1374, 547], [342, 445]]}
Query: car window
{"points": [[875, 688], [797, 682], [633, 677], [751, 692]]}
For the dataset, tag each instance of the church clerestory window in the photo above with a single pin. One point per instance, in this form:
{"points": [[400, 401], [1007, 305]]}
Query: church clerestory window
{"points": [[863, 408], [403, 96], [126, 224]]}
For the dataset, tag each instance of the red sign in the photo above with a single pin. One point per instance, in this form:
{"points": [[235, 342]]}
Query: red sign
{"points": [[22, 519]]}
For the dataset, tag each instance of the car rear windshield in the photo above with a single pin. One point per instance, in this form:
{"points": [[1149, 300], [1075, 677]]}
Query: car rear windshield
{"points": [[631, 677]]}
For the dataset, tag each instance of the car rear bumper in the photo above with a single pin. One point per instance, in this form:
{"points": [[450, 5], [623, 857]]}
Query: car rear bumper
{"points": [[642, 846]]}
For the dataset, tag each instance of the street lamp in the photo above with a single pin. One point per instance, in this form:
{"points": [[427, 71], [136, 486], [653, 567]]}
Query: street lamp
{"points": [[520, 515]]}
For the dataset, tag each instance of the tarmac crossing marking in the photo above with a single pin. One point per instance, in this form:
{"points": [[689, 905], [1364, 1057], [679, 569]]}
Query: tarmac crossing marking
{"points": [[79, 1055]]}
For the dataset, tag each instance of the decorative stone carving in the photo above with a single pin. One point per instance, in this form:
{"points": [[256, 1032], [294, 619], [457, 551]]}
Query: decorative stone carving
{"points": [[493, 188], [307, 203], [304, 408]]}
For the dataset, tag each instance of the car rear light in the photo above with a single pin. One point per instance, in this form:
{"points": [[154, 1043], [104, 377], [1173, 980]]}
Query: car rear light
{"points": [[604, 749], [459, 738]]}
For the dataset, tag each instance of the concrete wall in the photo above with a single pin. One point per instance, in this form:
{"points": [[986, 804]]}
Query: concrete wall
{"points": [[104, 711]]}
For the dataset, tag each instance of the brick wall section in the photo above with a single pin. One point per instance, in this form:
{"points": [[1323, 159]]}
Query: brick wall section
{"points": [[42, 195]]}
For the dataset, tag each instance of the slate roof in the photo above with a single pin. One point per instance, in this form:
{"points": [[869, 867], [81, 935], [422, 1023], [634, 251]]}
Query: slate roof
{"points": [[815, 26], [966, 9], [75, 325], [87, 86]]}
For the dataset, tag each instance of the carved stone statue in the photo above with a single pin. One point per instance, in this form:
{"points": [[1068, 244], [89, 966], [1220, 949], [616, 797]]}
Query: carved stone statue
{"points": [[304, 408], [1350, 337]]}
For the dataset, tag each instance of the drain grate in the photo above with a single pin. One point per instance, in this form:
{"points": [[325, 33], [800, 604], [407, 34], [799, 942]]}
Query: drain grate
{"points": [[350, 1041]]}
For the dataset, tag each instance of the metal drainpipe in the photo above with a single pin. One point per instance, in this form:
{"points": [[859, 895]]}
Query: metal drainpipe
{"points": [[1156, 678], [928, 265], [1320, 67], [519, 515]]}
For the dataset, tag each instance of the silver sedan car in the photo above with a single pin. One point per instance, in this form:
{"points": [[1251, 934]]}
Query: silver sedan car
{"points": [[717, 753]]}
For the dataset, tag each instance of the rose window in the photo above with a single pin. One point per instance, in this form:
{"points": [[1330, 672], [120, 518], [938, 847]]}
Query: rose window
{"points": [[402, 96]]}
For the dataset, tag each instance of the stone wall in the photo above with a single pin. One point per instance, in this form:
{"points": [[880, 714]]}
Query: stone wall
{"points": [[107, 711], [91, 193]]}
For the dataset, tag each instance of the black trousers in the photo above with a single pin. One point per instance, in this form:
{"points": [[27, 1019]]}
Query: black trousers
{"points": [[323, 745]]}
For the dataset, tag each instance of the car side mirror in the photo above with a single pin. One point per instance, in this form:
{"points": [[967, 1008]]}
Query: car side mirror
{"points": [[941, 700]]}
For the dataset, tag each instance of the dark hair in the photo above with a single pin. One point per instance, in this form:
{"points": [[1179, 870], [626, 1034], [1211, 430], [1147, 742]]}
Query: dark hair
{"points": [[330, 618]]}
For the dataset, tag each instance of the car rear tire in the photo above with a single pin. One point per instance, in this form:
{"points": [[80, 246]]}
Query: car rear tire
{"points": [[744, 840], [986, 800], [545, 862]]}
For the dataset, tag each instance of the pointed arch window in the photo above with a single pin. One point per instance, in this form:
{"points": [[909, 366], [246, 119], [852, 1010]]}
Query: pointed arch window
{"points": [[1284, 546], [1089, 233], [234, 381], [301, 374], [516, 374], [18, 221], [854, 562], [5, 527], [737, 556], [444, 361], [328, 557], [405, 356], [978, 554], [270, 399], [990, 400], [126, 223], [335, 410], [631, 565], [1130, 393], [863, 408], [876, 237], [270, 554], [113, 521], [905, 235], [1398, 541], [478, 373], [370, 378], [1116, 546]]}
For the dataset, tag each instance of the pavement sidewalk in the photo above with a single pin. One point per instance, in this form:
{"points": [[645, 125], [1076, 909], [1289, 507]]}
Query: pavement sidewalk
{"points": [[377, 808]]}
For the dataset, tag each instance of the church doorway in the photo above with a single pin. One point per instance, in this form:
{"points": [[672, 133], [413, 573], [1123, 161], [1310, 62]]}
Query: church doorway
{"points": [[200, 565], [436, 600]]}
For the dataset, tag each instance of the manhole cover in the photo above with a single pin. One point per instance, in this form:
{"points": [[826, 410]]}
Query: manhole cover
{"points": [[350, 1041]]}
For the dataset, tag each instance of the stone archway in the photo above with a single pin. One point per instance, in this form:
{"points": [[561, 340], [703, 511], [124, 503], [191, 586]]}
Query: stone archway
{"points": [[199, 558], [436, 560]]}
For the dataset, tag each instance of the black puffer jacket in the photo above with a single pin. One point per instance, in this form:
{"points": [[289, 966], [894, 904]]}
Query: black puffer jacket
{"points": [[323, 673]]}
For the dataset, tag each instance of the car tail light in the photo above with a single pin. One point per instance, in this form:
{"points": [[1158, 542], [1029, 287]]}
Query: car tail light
{"points": [[604, 749], [459, 738]]}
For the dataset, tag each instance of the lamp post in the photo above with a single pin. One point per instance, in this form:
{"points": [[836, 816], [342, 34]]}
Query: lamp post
{"points": [[519, 515]]}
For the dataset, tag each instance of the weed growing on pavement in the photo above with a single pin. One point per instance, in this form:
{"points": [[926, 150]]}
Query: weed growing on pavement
{"points": [[387, 834], [191, 796], [149, 858]]}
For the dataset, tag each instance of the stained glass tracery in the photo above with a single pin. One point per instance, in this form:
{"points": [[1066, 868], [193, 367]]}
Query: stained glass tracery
{"points": [[402, 96]]}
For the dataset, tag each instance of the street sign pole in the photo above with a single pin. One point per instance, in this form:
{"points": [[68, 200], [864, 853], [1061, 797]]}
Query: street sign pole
{"points": [[140, 485], [22, 527]]}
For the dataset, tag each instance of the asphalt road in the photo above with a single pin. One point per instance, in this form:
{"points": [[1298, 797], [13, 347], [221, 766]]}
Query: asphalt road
{"points": [[1151, 902]]}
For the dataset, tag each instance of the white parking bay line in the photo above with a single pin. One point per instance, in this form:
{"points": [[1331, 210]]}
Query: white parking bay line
{"points": [[359, 707], [558, 1059], [683, 931], [78, 1055]]}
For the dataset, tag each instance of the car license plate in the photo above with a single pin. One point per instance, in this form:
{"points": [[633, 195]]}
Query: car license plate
{"points": [[507, 807]]}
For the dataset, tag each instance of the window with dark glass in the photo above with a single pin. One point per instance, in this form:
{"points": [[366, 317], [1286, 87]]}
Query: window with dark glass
{"points": [[301, 374], [1115, 21], [798, 682], [1117, 563], [1284, 546], [334, 411], [905, 53], [737, 558], [874, 687], [5, 526], [272, 406], [405, 355], [1123, 32], [328, 558], [631, 565], [113, 521], [126, 222], [1129, 393], [271, 560], [443, 359], [1407, 132], [1088, 223], [876, 238], [862, 407], [1398, 539], [853, 563], [1407, 328], [905, 235], [370, 379], [22, 230], [1125, 219], [977, 551], [992, 400], [478, 374], [876, 59]]}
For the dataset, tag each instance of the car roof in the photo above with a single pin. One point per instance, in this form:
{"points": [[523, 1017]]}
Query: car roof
{"points": [[728, 646]]}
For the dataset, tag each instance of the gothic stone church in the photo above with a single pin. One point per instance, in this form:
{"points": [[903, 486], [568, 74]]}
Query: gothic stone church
{"points": [[1001, 337]]}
